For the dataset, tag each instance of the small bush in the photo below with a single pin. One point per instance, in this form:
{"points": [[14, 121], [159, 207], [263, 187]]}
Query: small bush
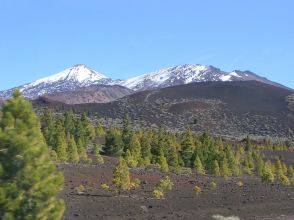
{"points": [[186, 170], [220, 217], [104, 186], [99, 159], [284, 180], [158, 194], [135, 184], [80, 188], [240, 183], [213, 185], [197, 189], [165, 184]]}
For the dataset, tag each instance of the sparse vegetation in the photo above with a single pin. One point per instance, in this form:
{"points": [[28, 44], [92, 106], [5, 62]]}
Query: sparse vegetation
{"points": [[240, 183], [165, 183], [80, 188], [135, 183], [197, 189], [220, 217], [104, 186], [158, 193], [212, 184]]}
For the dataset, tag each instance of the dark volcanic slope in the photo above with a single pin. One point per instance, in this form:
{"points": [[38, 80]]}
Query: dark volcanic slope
{"points": [[226, 108], [93, 94]]}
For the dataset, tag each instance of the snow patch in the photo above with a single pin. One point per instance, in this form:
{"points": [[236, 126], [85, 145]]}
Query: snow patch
{"points": [[225, 78]]}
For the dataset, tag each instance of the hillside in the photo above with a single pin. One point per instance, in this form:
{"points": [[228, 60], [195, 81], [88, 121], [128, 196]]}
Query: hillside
{"points": [[92, 94], [225, 108]]}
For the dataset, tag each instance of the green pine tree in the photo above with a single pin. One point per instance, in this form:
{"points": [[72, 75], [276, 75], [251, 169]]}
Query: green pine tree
{"points": [[73, 155], [291, 172], [121, 175], [163, 163], [198, 166], [113, 143], [187, 147], [61, 147], [29, 182], [224, 168], [267, 174], [215, 168]]}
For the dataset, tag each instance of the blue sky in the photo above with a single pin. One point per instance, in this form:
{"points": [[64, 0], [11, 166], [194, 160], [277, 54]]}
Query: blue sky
{"points": [[126, 38]]}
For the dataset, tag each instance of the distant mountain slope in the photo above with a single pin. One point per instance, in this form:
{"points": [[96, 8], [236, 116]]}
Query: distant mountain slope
{"points": [[227, 108], [189, 73], [91, 94]]}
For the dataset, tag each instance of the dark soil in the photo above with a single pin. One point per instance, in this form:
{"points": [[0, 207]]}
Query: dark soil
{"points": [[254, 200]]}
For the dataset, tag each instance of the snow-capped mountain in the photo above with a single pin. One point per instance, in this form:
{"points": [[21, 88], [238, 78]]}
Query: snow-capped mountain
{"points": [[189, 73], [80, 77], [71, 79]]}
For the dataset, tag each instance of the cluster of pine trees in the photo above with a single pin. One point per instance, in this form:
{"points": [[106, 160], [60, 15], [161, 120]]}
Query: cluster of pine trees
{"points": [[67, 135], [202, 153]]}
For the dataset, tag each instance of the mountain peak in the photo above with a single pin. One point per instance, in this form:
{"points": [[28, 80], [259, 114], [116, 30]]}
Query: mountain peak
{"points": [[79, 73]]}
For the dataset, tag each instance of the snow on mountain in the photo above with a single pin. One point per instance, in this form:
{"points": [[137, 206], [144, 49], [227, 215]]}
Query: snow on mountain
{"points": [[80, 76], [76, 77], [78, 73], [184, 74]]}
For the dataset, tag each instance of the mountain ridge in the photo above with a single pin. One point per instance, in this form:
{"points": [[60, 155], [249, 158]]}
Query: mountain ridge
{"points": [[81, 77]]}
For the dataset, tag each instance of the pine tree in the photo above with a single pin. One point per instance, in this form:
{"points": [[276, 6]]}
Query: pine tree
{"points": [[291, 172], [130, 159], [187, 147], [69, 122], [163, 163], [73, 155], [224, 168], [99, 130], [145, 142], [135, 147], [279, 168], [113, 143], [29, 182], [234, 169], [61, 147], [121, 175], [198, 166], [96, 150], [267, 174], [48, 127], [215, 168], [126, 133], [172, 157], [259, 166]]}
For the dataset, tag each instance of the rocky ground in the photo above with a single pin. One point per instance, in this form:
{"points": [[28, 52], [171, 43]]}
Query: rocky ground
{"points": [[253, 200]]}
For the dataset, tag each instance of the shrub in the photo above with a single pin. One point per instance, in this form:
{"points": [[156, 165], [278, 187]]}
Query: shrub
{"points": [[213, 184], [80, 188], [104, 186], [220, 217], [158, 194], [99, 159], [165, 183], [135, 184], [197, 189], [284, 180], [240, 183]]}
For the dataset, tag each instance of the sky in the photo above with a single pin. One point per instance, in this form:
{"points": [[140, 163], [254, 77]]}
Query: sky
{"points": [[127, 38]]}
